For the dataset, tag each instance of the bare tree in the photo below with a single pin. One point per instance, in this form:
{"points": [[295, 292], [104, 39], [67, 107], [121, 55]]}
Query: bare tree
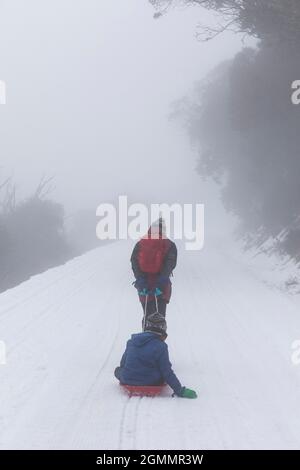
{"points": [[8, 202], [264, 19], [44, 187]]}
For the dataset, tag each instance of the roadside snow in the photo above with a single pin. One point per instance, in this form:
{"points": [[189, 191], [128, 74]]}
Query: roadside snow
{"points": [[230, 339]]}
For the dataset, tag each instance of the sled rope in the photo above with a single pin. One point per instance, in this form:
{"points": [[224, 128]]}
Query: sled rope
{"points": [[145, 312], [156, 303]]}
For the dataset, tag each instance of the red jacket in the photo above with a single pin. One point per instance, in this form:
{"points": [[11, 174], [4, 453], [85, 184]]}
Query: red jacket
{"points": [[168, 265]]}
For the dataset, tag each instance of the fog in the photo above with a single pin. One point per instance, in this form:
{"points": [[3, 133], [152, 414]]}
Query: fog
{"points": [[89, 89], [196, 108]]}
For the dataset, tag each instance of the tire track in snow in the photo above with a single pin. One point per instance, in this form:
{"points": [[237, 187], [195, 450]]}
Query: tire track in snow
{"points": [[58, 313], [87, 418], [23, 301], [35, 314], [33, 404], [251, 332], [85, 404], [55, 306], [101, 369], [188, 285], [34, 381]]}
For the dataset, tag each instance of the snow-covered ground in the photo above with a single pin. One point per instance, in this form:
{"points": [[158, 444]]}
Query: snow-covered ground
{"points": [[230, 338]]}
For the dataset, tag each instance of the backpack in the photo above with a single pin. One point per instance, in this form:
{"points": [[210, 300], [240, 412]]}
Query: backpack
{"points": [[152, 253]]}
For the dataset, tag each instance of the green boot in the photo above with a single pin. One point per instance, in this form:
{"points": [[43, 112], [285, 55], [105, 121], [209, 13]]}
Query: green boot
{"points": [[188, 393]]}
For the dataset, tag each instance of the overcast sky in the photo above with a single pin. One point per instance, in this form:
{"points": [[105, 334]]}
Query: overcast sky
{"points": [[89, 85]]}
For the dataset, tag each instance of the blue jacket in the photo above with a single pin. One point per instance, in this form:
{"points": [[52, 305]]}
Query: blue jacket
{"points": [[146, 362]]}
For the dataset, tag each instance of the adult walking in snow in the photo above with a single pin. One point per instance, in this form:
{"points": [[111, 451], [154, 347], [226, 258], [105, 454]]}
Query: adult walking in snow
{"points": [[153, 260], [145, 361]]}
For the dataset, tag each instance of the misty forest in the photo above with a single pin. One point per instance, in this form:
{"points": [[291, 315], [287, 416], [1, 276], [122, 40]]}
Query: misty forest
{"points": [[150, 226], [239, 119]]}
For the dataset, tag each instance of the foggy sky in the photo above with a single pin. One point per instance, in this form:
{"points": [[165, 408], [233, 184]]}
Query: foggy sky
{"points": [[89, 84]]}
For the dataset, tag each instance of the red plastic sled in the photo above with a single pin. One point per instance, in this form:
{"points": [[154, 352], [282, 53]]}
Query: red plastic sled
{"points": [[143, 390]]}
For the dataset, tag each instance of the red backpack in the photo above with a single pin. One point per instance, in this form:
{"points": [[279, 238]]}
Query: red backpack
{"points": [[151, 254]]}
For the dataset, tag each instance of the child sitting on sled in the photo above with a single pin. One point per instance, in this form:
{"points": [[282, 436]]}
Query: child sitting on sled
{"points": [[146, 359]]}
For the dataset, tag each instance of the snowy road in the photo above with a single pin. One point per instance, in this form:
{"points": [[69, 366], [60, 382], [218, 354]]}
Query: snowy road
{"points": [[230, 339]]}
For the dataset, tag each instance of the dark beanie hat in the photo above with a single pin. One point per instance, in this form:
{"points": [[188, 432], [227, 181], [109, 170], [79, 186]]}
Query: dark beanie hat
{"points": [[156, 323], [159, 225]]}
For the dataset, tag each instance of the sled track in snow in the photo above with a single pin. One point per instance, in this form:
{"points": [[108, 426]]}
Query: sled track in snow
{"points": [[129, 421], [134, 411]]}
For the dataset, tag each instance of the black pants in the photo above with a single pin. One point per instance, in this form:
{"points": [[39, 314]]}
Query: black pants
{"points": [[152, 308]]}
